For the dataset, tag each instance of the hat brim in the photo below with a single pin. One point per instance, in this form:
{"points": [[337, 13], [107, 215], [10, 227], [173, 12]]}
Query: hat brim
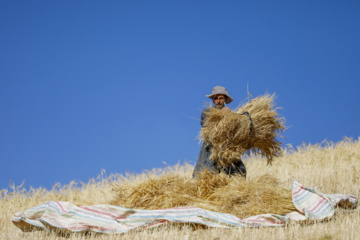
{"points": [[228, 99]]}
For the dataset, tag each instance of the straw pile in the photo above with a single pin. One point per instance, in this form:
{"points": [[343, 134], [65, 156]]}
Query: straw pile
{"points": [[229, 132], [215, 192]]}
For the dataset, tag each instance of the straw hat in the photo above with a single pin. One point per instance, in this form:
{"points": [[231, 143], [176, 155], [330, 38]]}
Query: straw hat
{"points": [[220, 90]]}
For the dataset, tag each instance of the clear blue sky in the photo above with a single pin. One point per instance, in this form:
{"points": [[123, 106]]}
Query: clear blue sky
{"points": [[116, 85]]}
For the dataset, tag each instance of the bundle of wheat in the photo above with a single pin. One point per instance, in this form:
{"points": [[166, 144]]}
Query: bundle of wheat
{"points": [[232, 134], [215, 192]]}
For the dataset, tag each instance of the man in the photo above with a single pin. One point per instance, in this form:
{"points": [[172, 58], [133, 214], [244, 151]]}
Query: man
{"points": [[220, 97]]}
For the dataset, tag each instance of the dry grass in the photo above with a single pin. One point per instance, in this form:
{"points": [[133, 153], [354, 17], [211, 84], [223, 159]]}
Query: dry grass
{"points": [[332, 168], [229, 132], [215, 192]]}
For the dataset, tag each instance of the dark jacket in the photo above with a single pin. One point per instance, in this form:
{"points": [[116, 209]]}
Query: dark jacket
{"points": [[204, 161]]}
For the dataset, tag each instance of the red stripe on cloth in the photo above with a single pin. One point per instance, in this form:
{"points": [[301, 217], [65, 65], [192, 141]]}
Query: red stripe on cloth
{"points": [[103, 213], [301, 188], [60, 206], [156, 223], [313, 209]]}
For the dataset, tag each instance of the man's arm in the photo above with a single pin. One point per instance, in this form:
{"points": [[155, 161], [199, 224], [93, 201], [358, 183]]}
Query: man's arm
{"points": [[203, 114], [203, 117]]}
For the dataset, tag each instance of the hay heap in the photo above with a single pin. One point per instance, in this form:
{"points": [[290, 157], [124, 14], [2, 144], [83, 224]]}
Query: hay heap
{"points": [[228, 132], [215, 192]]}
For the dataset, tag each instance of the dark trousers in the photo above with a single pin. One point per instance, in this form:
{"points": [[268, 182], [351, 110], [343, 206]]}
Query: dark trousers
{"points": [[204, 162]]}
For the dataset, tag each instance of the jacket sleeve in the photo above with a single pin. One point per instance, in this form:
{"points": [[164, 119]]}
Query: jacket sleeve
{"points": [[203, 117]]}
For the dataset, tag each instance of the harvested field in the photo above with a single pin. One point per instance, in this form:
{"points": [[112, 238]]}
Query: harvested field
{"points": [[332, 168]]}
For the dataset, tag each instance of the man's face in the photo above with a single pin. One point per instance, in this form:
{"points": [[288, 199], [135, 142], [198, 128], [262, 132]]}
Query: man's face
{"points": [[219, 101]]}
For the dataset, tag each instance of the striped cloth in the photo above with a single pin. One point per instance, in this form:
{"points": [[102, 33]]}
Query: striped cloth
{"points": [[66, 217]]}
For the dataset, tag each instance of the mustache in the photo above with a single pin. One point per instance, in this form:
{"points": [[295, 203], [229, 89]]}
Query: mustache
{"points": [[219, 105]]}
